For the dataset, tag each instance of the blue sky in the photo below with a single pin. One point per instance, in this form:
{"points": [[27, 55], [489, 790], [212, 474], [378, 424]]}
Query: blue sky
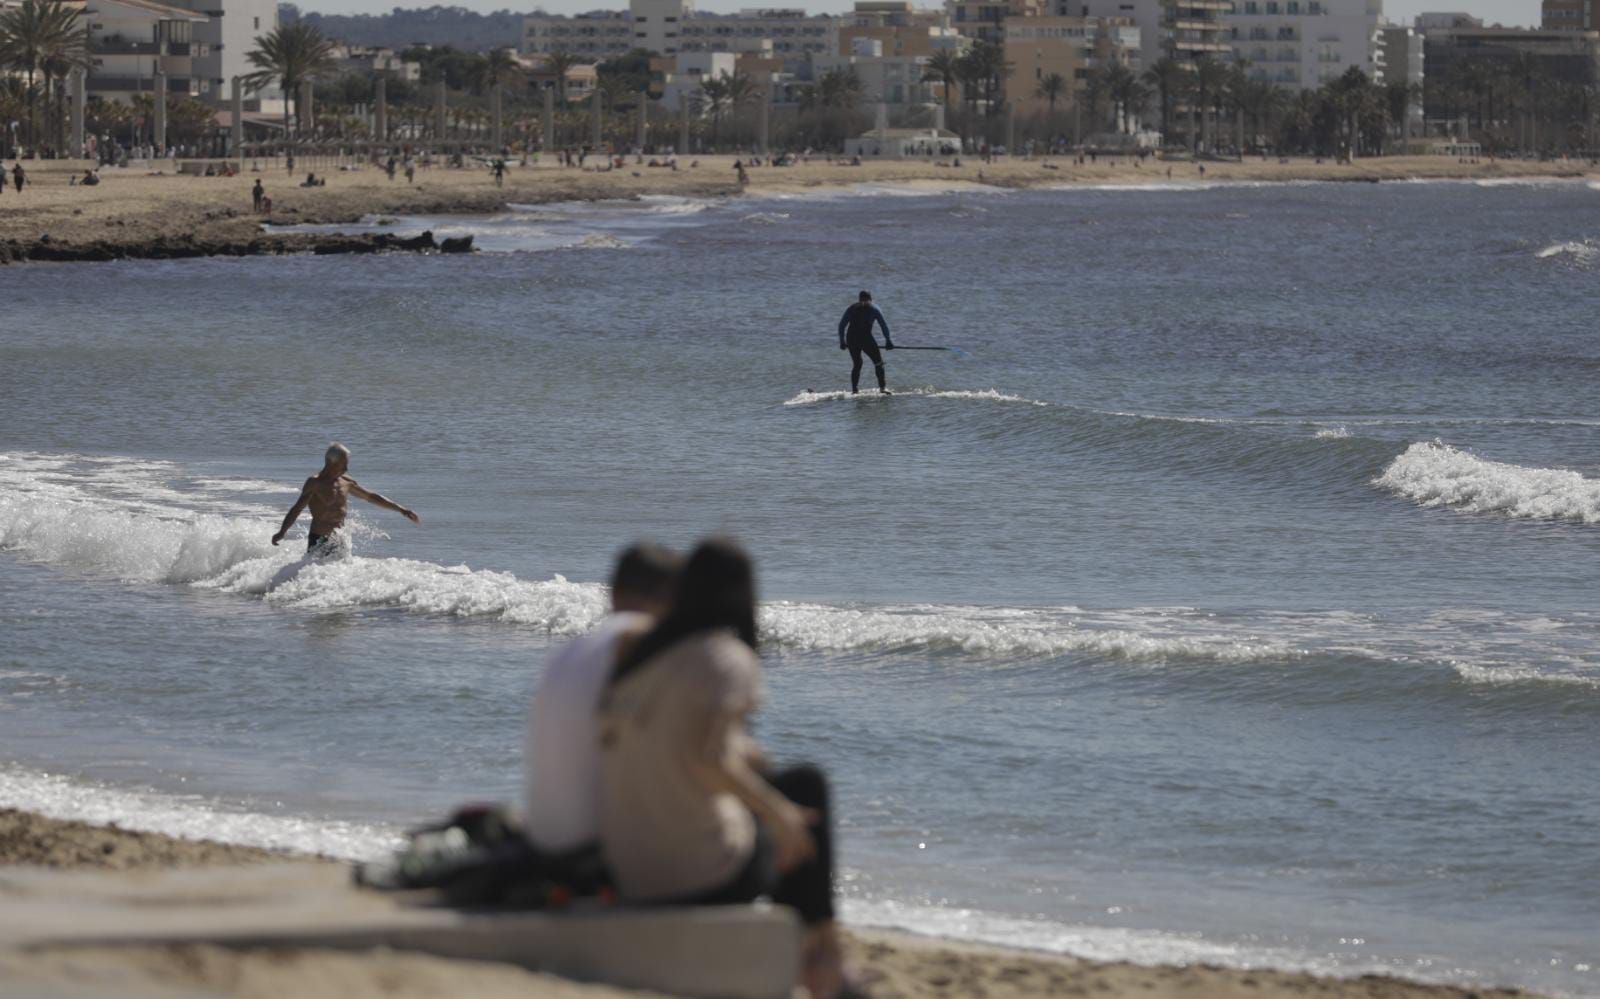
{"points": [[1508, 12]]}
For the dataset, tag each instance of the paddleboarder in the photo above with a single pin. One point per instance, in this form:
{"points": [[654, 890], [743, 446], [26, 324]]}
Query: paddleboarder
{"points": [[855, 335]]}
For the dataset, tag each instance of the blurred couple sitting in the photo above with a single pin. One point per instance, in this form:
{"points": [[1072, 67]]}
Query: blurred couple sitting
{"points": [[639, 751]]}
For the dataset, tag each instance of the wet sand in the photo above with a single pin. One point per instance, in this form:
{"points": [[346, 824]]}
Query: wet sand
{"points": [[896, 965], [132, 213]]}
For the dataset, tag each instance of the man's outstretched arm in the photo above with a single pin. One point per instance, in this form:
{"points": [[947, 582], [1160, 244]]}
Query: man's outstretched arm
{"points": [[294, 512], [877, 314], [844, 322], [379, 500]]}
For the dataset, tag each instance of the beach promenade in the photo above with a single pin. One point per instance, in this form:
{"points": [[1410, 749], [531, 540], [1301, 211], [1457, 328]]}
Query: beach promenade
{"points": [[135, 214]]}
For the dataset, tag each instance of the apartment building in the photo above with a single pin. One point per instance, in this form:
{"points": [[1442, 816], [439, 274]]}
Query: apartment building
{"points": [[132, 40], [985, 20], [369, 61], [895, 80], [1404, 58], [1195, 30], [903, 29], [598, 34], [668, 27], [1566, 15], [1038, 47], [228, 33], [1302, 44], [790, 34], [1147, 15]]}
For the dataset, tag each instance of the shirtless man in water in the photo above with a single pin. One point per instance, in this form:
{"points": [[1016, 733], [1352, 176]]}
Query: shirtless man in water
{"points": [[327, 494]]}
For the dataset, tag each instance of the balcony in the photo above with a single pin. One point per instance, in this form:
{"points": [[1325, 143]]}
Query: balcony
{"points": [[182, 86], [122, 46]]}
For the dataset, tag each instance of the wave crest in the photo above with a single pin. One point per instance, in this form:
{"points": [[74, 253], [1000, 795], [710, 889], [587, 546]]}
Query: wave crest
{"points": [[1436, 474]]}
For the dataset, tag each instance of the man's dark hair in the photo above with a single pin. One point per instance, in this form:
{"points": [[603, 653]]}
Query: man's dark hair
{"points": [[716, 589], [646, 571], [866, 296]]}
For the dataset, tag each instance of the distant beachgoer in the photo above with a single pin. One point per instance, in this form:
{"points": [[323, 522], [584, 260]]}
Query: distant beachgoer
{"points": [[690, 813], [19, 176], [744, 178], [257, 195], [290, 162], [90, 178], [388, 168], [328, 494], [561, 754], [499, 173], [855, 335]]}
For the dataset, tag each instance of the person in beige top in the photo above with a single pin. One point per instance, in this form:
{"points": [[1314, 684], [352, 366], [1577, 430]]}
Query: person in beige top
{"points": [[688, 813]]}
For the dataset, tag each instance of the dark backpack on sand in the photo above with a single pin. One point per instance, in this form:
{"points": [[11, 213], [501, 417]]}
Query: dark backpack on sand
{"points": [[480, 858]]}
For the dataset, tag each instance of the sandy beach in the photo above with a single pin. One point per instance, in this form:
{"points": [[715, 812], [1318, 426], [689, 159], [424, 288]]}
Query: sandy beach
{"points": [[895, 965], [133, 213]]}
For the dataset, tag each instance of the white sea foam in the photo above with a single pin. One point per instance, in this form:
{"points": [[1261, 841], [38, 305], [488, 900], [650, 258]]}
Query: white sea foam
{"points": [[1095, 943], [1333, 433], [809, 398], [1436, 474], [766, 218], [96, 515], [1584, 251], [190, 816]]}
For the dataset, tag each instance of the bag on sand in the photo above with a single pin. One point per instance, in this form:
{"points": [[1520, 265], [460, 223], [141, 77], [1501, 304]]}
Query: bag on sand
{"points": [[480, 857]]}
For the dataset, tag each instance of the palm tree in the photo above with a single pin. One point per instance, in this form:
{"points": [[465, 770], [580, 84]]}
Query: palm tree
{"points": [[1399, 95], [1126, 92], [944, 68], [1211, 79], [290, 55], [715, 99], [559, 63], [1095, 95], [1051, 88], [493, 68], [36, 33], [1169, 77], [988, 68]]}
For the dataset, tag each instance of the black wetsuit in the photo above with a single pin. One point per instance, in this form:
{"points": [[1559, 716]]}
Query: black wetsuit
{"points": [[855, 334]]}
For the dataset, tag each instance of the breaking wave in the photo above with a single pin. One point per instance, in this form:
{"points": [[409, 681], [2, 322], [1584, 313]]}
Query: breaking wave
{"points": [[1583, 252], [1436, 474]]}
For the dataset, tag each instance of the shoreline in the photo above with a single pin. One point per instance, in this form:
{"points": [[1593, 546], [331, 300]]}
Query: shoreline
{"points": [[895, 963], [132, 215]]}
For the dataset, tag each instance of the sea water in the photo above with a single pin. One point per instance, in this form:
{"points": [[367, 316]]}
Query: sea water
{"points": [[1229, 597]]}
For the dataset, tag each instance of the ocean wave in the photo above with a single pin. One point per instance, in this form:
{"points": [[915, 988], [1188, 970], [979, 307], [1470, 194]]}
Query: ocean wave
{"points": [[1436, 474], [810, 398], [766, 218], [1008, 632], [1582, 252], [190, 816], [95, 515]]}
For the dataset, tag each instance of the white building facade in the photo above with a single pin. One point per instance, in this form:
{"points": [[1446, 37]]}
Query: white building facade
{"points": [[132, 39], [891, 80], [229, 34], [1302, 44]]}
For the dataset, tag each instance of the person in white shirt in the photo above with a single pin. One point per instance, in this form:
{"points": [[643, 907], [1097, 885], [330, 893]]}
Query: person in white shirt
{"points": [[561, 749]]}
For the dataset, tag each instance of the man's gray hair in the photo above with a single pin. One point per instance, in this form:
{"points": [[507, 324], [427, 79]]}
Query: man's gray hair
{"points": [[335, 450]]}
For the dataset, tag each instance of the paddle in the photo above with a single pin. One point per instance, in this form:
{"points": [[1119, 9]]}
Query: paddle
{"points": [[924, 348]]}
